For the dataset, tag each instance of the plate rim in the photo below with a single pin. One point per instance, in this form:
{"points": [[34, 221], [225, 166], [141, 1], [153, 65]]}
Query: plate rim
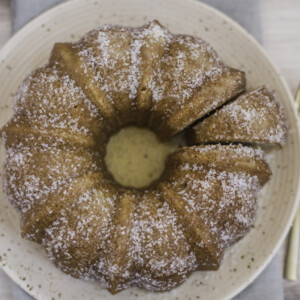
{"points": [[4, 50]]}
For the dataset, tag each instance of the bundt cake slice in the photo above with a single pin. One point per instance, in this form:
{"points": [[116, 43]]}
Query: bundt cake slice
{"points": [[76, 239], [255, 117], [190, 81], [213, 191]]}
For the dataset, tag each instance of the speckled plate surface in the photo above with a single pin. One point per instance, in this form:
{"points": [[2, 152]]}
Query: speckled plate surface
{"points": [[26, 262]]}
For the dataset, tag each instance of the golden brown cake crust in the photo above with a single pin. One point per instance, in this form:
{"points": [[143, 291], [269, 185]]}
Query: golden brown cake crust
{"points": [[55, 175]]}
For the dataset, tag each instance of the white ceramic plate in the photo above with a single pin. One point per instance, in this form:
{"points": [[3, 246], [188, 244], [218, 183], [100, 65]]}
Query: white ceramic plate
{"points": [[26, 262]]}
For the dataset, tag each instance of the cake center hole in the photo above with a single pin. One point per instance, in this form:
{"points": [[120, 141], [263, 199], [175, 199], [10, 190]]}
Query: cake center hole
{"points": [[135, 157]]}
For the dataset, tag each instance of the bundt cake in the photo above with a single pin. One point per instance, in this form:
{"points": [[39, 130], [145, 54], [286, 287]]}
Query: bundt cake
{"points": [[153, 237]]}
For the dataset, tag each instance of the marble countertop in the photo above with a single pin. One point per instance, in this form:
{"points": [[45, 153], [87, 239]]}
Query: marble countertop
{"points": [[280, 24]]}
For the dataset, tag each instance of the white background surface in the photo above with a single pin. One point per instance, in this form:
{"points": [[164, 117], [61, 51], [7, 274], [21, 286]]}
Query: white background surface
{"points": [[281, 31]]}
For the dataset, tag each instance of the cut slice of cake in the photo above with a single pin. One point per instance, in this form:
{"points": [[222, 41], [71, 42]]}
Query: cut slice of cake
{"points": [[255, 117]]}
